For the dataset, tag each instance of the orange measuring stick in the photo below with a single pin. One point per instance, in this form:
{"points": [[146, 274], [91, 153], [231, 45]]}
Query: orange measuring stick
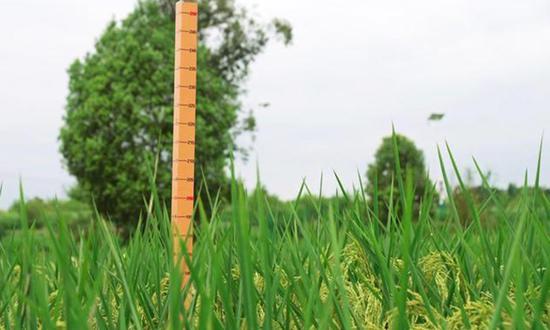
{"points": [[183, 154]]}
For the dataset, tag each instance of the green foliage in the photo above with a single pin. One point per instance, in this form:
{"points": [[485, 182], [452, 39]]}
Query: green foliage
{"points": [[39, 211], [36, 208], [8, 221], [260, 196], [119, 107], [488, 200], [342, 271], [387, 171]]}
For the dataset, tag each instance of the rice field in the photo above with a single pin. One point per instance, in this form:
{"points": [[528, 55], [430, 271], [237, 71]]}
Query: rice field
{"points": [[257, 267]]}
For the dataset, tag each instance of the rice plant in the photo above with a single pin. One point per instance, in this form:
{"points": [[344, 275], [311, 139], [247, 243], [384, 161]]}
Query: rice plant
{"points": [[257, 267]]}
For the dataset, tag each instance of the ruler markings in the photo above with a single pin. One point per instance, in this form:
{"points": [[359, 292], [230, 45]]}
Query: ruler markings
{"points": [[190, 13], [190, 50], [187, 68], [183, 162]]}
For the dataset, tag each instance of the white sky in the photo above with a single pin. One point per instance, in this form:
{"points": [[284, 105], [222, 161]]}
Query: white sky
{"points": [[353, 70]]}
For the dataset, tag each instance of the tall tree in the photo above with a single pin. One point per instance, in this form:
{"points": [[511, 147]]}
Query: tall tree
{"points": [[119, 108], [382, 175]]}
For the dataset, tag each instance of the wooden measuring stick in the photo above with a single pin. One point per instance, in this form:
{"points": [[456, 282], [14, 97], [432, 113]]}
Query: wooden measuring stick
{"points": [[183, 154]]}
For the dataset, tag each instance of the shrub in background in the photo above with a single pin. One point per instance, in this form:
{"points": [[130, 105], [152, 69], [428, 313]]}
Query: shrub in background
{"points": [[39, 211]]}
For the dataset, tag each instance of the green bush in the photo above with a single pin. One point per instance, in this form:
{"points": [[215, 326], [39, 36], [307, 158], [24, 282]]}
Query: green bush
{"points": [[39, 212], [8, 221]]}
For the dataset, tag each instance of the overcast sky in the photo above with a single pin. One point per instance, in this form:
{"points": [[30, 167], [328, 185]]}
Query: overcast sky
{"points": [[352, 71]]}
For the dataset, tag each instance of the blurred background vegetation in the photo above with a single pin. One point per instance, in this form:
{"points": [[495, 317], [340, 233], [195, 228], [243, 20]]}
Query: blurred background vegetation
{"points": [[77, 215], [78, 209], [117, 132]]}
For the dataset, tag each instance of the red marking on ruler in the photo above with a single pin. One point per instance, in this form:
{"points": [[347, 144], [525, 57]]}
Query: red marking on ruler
{"points": [[185, 198], [185, 76]]}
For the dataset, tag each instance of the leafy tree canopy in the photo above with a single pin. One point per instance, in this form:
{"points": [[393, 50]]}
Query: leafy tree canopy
{"points": [[119, 107], [382, 174]]}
